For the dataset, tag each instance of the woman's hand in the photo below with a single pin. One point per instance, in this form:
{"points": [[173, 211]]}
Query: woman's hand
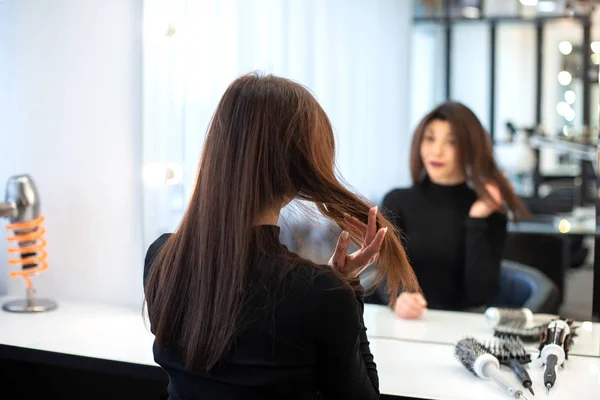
{"points": [[351, 265], [483, 208], [410, 305]]}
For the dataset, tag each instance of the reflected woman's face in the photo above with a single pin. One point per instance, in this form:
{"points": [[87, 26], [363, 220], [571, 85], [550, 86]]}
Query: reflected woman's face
{"points": [[439, 153]]}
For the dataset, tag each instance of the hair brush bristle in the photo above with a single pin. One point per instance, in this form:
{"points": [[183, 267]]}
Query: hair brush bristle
{"points": [[568, 341], [467, 350], [516, 348], [531, 334], [513, 316], [496, 348], [508, 348]]}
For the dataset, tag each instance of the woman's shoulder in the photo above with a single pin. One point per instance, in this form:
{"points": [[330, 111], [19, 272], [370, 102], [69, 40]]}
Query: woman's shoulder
{"points": [[152, 251], [324, 284], [396, 198], [155, 247], [316, 275], [304, 275]]}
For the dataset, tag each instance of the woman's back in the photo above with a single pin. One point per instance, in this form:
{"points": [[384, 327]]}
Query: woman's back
{"points": [[228, 301], [300, 332]]}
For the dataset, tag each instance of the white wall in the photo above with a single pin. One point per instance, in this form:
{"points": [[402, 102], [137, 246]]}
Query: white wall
{"points": [[353, 55], [70, 104], [469, 53], [470, 68], [427, 76], [515, 77]]}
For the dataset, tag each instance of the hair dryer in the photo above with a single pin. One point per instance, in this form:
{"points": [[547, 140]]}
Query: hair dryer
{"points": [[22, 208]]}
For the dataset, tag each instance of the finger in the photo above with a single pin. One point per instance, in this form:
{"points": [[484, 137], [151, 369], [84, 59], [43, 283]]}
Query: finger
{"points": [[373, 259], [341, 250], [361, 226], [405, 314], [415, 307], [494, 193], [372, 225], [413, 301], [408, 310], [362, 256], [421, 299], [356, 225]]}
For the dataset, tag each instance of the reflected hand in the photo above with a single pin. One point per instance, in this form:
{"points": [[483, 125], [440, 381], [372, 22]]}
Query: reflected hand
{"points": [[410, 305], [351, 265], [483, 208]]}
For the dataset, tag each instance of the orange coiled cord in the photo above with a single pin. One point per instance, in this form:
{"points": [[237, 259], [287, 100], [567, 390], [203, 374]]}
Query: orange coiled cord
{"points": [[39, 248]]}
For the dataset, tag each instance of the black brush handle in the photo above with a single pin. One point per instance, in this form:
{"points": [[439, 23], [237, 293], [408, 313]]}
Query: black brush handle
{"points": [[520, 372], [550, 371]]}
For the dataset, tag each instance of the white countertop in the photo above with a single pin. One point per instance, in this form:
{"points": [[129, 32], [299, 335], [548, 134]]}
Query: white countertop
{"points": [[407, 367], [81, 329], [447, 327], [430, 371]]}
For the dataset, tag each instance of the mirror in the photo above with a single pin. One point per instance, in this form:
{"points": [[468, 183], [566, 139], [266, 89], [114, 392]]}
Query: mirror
{"points": [[596, 305], [523, 75]]}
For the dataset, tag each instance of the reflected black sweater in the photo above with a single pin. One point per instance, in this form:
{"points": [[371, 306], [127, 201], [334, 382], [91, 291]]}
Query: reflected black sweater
{"points": [[456, 258], [302, 337]]}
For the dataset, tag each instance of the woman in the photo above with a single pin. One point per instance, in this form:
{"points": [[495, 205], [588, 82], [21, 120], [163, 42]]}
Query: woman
{"points": [[454, 216], [234, 313]]}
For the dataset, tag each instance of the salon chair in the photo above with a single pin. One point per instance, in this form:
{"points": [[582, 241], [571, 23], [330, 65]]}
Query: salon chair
{"points": [[524, 286]]}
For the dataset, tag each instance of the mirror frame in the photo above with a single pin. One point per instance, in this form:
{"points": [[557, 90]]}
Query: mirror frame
{"points": [[596, 289]]}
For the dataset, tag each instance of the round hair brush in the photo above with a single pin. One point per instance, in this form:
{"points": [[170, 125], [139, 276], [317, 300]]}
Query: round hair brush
{"points": [[475, 357], [515, 316], [530, 334], [511, 352], [554, 349]]}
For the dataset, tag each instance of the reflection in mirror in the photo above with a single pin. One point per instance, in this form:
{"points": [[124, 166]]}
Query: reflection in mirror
{"points": [[531, 77], [428, 78]]}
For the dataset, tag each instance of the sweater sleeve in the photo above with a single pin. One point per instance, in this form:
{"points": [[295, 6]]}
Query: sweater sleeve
{"points": [[485, 239], [345, 365]]}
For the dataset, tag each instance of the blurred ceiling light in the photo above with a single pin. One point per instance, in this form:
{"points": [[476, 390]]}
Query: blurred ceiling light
{"points": [[470, 12], [171, 31], [562, 108], [570, 97], [587, 326], [564, 226], [564, 78], [565, 47], [546, 6], [157, 174], [570, 115], [529, 2], [595, 47]]}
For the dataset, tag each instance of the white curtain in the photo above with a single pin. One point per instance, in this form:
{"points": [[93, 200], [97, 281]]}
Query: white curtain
{"points": [[352, 54]]}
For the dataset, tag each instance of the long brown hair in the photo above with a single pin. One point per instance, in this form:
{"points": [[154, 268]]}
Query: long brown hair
{"points": [[269, 141], [475, 152]]}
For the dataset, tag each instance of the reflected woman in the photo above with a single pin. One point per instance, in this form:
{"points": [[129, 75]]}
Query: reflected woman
{"points": [[454, 217]]}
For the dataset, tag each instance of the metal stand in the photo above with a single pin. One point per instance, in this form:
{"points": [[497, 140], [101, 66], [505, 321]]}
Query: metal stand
{"points": [[30, 304]]}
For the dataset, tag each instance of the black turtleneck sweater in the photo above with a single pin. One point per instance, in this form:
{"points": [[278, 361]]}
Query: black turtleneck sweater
{"points": [[301, 337], [456, 258]]}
